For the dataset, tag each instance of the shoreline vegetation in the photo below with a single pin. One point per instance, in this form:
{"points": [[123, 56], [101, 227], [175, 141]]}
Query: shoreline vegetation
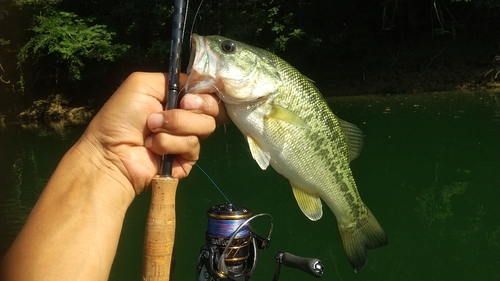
{"points": [[60, 60], [420, 69], [440, 73]]}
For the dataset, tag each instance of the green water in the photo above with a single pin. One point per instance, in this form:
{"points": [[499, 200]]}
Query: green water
{"points": [[429, 171]]}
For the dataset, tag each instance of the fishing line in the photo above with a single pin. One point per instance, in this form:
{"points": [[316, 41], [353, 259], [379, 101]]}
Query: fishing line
{"points": [[225, 228], [194, 20], [183, 33], [213, 182], [185, 20]]}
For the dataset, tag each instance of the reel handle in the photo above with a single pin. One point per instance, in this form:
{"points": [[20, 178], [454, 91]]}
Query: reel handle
{"points": [[312, 266]]}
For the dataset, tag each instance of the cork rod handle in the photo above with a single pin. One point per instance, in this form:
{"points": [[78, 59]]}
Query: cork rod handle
{"points": [[160, 230]]}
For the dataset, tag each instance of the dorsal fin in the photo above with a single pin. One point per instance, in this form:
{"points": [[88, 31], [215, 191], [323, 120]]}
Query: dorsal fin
{"points": [[353, 137]]}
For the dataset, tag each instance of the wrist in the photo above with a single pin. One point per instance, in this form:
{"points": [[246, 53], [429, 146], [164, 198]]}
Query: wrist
{"points": [[99, 169]]}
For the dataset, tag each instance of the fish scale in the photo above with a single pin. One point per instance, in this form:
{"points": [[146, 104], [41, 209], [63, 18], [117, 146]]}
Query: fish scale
{"points": [[288, 125], [326, 135]]}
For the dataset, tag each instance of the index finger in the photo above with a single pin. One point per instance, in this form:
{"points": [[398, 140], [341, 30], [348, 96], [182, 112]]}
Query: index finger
{"points": [[208, 104], [154, 84]]}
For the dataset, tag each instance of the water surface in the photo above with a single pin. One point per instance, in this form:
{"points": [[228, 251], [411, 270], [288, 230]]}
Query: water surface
{"points": [[429, 171]]}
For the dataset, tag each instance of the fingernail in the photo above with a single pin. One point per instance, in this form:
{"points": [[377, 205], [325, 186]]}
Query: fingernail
{"points": [[148, 142], [155, 120], [191, 101]]}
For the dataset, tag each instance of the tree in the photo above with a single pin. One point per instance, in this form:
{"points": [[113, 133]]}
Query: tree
{"points": [[69, 41]]}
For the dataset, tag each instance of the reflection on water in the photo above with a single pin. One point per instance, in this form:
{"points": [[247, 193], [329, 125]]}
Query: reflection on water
{"points": [[28, 158], [429, 171]]}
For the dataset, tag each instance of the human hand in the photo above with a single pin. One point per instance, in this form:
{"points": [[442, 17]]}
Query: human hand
{"points": [[129, 133]]}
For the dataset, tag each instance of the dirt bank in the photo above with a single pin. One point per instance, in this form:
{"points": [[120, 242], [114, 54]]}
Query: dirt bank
{"points": [[55, 113]]}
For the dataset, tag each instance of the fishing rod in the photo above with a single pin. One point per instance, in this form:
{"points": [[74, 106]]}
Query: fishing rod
{"points": [[230, 252], [160, 225]]}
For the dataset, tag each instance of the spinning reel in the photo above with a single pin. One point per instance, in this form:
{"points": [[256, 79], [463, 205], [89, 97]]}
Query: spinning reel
{"points": [[230, 252]]}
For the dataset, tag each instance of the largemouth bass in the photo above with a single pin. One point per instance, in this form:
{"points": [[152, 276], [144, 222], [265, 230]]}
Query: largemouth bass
{"points": [[289, 126]]}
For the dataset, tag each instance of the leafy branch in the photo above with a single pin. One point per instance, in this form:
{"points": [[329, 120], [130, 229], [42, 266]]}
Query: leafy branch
{"points": [[70, 41]]}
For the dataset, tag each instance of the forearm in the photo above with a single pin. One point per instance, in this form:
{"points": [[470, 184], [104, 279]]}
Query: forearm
{"points": [[56, 242], [74, 228]]}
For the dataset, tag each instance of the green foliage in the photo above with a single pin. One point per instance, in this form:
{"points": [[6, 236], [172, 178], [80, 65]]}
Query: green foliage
{"points": [[158, 50], [144, 25], [47, 3], [70, 41], [283, 27], [66, 40], [4, 42], [269, 24]]}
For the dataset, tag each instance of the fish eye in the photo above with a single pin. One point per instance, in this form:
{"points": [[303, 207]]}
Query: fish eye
{"points": [[228, 46]]}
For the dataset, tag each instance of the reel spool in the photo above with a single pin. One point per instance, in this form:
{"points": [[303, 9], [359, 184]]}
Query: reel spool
{"points": [[223, 220], [230, 252]]}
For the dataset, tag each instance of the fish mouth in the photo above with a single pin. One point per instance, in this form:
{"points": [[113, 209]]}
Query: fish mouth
{"points": [[203, 72], [194, 44], [201, 68], [198, 82]]}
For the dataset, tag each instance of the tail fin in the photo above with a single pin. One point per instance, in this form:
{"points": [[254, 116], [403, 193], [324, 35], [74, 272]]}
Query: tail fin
{"points": [[358, 237]]}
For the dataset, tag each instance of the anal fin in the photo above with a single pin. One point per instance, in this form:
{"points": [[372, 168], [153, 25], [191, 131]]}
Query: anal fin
{"points": [[309, 203]]}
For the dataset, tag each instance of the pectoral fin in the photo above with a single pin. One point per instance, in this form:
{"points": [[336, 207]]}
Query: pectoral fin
{"points": [[285, 115], [309, 203], [262, 157]]}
